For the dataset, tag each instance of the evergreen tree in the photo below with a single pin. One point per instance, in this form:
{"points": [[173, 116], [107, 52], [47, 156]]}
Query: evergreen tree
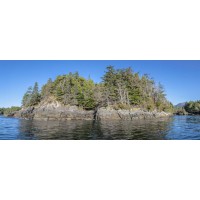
{"points": [[32, 96], [193, 107], [47, 89], [26, 101], [35, 96], [120, 89]]}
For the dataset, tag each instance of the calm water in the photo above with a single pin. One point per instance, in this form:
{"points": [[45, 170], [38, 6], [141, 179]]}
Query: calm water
{"points": [[178, 127]]}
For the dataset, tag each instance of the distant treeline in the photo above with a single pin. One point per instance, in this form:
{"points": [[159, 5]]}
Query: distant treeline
{"points": [[119, 88], [191, 107], [7, 111]]}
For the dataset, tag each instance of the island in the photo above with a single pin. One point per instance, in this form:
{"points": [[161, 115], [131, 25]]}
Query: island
{"points": [[122, 94], [188, 108]]}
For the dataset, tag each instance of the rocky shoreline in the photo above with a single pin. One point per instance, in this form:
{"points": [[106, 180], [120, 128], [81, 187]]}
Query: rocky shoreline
{"points": [[64, 113]]}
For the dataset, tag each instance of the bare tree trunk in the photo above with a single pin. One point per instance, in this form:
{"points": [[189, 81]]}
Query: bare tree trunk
{"points": [[128, 100]]}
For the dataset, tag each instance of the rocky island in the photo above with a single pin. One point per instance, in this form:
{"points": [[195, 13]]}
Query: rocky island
{"points": [[56, 111], [188, 108], [122, 94]]}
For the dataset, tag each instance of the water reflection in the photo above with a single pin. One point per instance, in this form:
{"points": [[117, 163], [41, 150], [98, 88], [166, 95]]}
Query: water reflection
{"points": [[177, 128], [95, 130], [185, 128], [8, 130]]}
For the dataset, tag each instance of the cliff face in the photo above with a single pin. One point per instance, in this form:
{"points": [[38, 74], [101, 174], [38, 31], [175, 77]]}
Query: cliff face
{"points": [[56, 111], [104, 113]]}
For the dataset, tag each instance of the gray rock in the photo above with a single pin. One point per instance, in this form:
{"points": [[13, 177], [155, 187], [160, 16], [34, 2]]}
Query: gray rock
{"points": [[63, 113], [103, 114]]}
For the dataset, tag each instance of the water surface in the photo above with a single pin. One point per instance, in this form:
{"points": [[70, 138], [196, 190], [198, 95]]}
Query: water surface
{"points": [[174, 128]]}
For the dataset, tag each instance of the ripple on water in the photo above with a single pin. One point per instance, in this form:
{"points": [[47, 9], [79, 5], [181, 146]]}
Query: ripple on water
{"points": [[177, 128]]}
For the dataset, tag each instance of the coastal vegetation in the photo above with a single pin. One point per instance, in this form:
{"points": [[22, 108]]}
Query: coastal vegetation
{"points": [[188, 108], [32, 96], [8, 111], [180, 111], [193, 107], [119, 89]]}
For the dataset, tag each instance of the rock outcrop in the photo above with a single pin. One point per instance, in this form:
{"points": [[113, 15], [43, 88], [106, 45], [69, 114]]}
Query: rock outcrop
{"points": [[51, 112], [56, 111], [104, 113]]}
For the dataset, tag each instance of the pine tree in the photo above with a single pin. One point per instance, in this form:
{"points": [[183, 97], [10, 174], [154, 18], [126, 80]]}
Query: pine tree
{"points": [[47, 89], [35, 96], [26, 101], [120, 89]]}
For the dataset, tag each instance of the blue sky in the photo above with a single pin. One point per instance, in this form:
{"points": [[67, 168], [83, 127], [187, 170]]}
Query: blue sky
{"points": [[180, 78]]}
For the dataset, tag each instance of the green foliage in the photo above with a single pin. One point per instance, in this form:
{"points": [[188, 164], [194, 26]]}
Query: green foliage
{"points": [[124, 87], [47, 89], [193, 107], [180, 111], [8, 111], [2, 111], [32, 97], [35, 96], [120, 106], [71, 89], [119, 89]]}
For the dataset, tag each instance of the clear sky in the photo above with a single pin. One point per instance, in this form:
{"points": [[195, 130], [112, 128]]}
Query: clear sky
{"points": [[180, 78]]}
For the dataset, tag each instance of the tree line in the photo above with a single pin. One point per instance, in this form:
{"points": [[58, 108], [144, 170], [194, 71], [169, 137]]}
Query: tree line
{"points": [[7, 111], [193, 107], [119, 89]]}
